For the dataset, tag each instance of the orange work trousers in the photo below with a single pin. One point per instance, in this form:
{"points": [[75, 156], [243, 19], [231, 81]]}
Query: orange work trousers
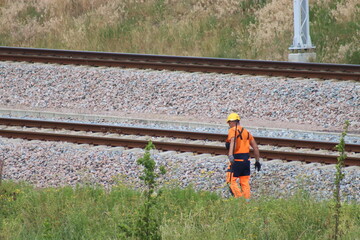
{"points": [[234, 186]]}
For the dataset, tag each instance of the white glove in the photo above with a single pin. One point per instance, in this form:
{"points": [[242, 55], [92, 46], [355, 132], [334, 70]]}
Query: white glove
{"points": [[231, 159]]}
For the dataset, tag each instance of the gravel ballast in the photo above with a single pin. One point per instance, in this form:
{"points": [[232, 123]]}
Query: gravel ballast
{"points": [[325, 104]]}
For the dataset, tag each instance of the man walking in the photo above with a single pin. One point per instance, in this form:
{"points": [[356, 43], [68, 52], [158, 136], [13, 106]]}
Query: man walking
{"points": [[238, 143]]}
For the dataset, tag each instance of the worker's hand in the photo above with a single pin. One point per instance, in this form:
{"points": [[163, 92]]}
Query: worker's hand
{"points": [[231, 158], [257, 165]]}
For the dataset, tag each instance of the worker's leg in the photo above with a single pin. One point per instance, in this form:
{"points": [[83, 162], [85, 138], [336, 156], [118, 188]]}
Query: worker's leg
{"points": [[234, 186], [245, 186], [228, 180]]}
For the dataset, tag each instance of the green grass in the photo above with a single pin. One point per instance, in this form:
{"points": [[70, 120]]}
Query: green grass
{"points": [[92, 212], [328, 35]]}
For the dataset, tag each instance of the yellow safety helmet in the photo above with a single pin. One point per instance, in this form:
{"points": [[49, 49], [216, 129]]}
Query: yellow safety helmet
{"points": [[233, 117]]}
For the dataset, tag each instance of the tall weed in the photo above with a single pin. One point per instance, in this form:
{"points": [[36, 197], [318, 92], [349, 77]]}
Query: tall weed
{"points": [[338, 178]]}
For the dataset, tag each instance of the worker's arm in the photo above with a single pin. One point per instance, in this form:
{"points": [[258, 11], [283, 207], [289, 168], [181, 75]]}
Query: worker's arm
{"points": [[231, 150], [255, 147]]}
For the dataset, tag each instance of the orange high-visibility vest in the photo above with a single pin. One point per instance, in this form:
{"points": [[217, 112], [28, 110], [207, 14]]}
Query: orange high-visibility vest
{"points": [[242, 140]]}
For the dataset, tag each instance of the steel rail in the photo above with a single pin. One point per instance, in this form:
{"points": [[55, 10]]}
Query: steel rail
{"points": [[191, 64], [178, 59], [280, 142], [166, 146]]}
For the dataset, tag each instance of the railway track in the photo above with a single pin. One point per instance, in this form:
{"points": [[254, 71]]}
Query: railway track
{"points": [[181, 141], [178, 63]]}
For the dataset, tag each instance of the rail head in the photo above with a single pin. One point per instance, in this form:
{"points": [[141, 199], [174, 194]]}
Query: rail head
{"points": [[161, 132], [171, 146], [206, 64]]}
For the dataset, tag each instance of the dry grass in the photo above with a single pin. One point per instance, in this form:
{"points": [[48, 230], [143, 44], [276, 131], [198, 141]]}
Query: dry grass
{"points": [[219, 8], [274, 28], [346, 11], [260, 29]]}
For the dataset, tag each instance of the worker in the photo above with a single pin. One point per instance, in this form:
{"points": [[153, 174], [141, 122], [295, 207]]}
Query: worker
{"points": [[238, 143]]}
